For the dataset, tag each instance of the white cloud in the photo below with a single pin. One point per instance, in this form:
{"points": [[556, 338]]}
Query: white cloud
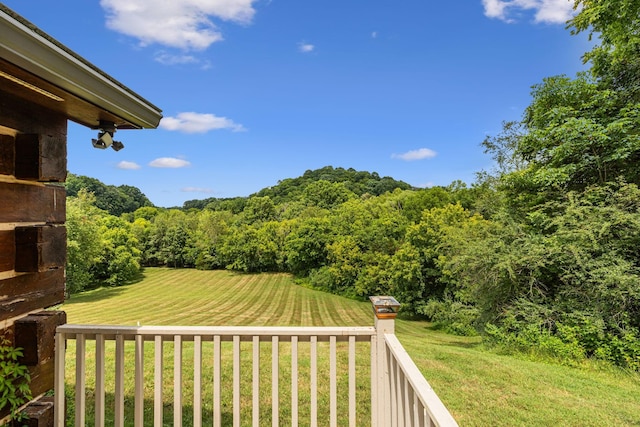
{"points": [[426, 185], [196, 190], [374, 35], [190, 122], [128, 165], [169, 162], [547, 11], [184, 24], [420, 154], [305, 47], [555, 11], [169, 59]]}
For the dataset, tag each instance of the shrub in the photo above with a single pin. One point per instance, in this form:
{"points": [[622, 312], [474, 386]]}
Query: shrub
{"points": [[451, 316], [14, 380]]}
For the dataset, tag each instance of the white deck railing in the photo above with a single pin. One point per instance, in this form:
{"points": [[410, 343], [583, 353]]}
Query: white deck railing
{"points": [[396, 395]]}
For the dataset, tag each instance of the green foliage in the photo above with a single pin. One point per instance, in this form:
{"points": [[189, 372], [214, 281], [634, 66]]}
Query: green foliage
{"points": [[291, 190], [356, 182], [252, 249], [115, 200], [306, 245], [451, 315], [14, 380], [573, 265], [615, 60], [101, 248], [83, 246], [326, 195], [118, 262], [259, 209]]}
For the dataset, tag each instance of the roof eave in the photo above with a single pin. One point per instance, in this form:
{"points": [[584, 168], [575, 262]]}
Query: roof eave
{"points": [[25, 46]]}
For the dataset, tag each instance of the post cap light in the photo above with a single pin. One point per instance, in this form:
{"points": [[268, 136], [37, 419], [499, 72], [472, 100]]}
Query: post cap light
{"points": [[385, 307]]}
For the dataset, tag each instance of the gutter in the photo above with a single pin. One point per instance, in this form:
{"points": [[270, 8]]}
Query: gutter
{"points": [[27, 47]]}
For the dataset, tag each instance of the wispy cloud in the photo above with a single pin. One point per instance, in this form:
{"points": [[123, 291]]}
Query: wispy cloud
{"points": [[374, 35], [426, 185], [190, 122], [545, 11], [169, 162], [305, 47], [128, 165], [196, 190], [420, 154], [167, 58], [183, 24]]}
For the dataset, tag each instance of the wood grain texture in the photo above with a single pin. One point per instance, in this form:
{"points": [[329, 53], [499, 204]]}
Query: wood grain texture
{"points": [[7, 250], [28, 292], [40, 248], [35, 334], [39, 413], [41, 157], [7, 155], [32, 203], [26, 116]]}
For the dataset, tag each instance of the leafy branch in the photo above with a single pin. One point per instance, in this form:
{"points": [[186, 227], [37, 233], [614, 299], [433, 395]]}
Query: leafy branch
{"points": [[14, 380]]}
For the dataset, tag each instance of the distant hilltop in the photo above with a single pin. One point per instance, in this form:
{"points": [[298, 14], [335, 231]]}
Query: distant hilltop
{"points": [[126, 198], [291, 189]]}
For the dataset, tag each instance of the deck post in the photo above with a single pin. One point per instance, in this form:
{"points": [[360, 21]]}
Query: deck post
{"points": [[59, 406], [385, 309]]}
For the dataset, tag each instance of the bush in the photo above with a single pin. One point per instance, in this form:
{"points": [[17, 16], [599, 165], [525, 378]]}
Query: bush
{"points": [[14, 380], [566, 338], [451, 316], [321, 278], [535, 342]]}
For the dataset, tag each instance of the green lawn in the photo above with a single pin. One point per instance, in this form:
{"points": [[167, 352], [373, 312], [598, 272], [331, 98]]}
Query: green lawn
{"points": [[479, 387]]}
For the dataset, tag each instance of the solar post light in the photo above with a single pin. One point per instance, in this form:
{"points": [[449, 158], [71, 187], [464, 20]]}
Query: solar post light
{"points": [[385, 307]]}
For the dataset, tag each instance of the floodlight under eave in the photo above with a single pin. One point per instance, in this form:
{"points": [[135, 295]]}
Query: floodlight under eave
{"points": [[117, 145], [104, 140]]}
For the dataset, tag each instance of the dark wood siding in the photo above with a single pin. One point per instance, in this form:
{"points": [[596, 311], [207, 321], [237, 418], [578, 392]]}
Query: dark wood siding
{"points": [[33, 160]]}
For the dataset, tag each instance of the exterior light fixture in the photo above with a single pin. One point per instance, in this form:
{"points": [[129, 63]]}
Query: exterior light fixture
{"points": [[105, 140], [105, 137], [385, 307]]}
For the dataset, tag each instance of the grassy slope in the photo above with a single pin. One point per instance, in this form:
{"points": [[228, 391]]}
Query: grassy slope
{"points": [[479, 387]]}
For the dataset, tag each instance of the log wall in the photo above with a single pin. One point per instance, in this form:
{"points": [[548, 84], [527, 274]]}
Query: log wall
{"points": [[33, 163]]}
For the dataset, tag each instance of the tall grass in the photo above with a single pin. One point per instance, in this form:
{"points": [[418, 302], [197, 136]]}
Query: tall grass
{"points": [[479, 387]]}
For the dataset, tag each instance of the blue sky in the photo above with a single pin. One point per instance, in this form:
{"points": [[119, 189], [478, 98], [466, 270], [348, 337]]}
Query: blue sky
{"points": [[256, 91]]}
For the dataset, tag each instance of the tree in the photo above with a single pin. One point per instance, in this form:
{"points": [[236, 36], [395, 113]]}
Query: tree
{"points": [[616, 60], [83, 241], [134, 196], [255, 248], [326, 195], [259, 209], [119, 260], [212, 229], [345, 261], [115, 200], [306, 245]]}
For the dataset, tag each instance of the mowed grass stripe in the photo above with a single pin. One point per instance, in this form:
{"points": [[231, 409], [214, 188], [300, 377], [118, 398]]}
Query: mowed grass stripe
{"points": [[251, 296], [192, 297], [281, 313]]}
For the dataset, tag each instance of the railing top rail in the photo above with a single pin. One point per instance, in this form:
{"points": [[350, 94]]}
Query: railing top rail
{"points": [[434, 406], [362, 333]]}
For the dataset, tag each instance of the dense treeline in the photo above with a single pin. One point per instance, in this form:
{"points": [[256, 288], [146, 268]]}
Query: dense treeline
{"points": [[539, 255], [115, 200]]}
